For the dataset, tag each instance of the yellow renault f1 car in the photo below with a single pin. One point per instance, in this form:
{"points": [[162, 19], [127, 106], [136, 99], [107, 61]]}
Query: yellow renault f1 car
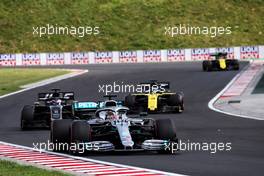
{"points": [[220, 62], [155, 98]]}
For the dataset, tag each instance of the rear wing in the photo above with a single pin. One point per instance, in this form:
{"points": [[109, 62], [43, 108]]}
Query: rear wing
{"points": [[50, 95], [218, 55]]}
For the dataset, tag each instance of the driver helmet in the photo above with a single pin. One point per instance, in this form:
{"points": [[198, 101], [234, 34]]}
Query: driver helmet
{"points": [[110, 115]]}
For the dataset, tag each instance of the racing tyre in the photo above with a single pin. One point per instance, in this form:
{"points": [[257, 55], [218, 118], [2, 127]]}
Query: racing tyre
{"points": [[177, 100], [80, 133], [60, 133], [205, 65], [27, 117], [236, 65], [166, 130], [209, 66], [130, 100]]}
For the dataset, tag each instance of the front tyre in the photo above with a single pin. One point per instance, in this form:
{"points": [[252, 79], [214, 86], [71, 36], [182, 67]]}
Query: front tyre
{"points": [[165, 130], [60, 134], [27, 117], [80, 134]]}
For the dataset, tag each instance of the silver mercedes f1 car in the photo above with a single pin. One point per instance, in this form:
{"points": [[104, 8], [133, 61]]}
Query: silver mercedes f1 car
{"points": [[112, 130]]}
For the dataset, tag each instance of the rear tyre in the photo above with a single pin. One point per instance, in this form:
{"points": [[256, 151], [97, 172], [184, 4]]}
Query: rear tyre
{"points": [[27, 117], [60, 134], [130, 100], [209, 66], [177, 100], [166, 130], [236, 65], [205, 65], [80, 133]]}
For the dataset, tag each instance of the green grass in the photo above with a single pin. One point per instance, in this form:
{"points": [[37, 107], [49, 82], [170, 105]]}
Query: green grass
{"points": [[8, 168], [12, 78], [259, 89], [128, 24]]}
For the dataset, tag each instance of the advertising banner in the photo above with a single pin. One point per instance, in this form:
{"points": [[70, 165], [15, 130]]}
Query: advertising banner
{"points": [[103, 57], [30, 59], [55, 58], [249, 52], [152, 56], [127, 57], [7, 60], [80, 58], [198, 54], [229, 51], [174, 55]]}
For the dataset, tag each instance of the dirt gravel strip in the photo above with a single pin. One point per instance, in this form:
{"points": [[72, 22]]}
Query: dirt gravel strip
{"points": [[71, 164]]}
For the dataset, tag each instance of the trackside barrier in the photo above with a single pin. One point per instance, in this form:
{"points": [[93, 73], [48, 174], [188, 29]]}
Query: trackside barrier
{"points": [[139, 56]]}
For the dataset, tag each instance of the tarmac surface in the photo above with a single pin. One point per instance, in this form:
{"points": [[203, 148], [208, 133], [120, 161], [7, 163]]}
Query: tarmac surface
{"points": [[196, 124]]}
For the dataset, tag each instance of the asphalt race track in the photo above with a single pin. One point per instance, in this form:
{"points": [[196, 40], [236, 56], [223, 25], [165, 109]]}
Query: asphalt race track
{"points": [[197, 124]]}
